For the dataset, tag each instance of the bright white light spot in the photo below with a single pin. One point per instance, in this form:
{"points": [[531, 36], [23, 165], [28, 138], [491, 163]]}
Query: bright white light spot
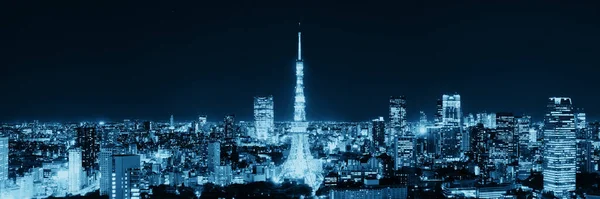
{"points": [[422, 130], [101, 122]]}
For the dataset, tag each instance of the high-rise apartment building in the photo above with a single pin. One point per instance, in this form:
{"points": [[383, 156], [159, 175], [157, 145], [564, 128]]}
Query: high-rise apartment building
{"points": [[214, 156], [121, 176], [3, 164], [229, 145], [402, 140], [106, 167], [505, 130], [398, 115], [559, 147], [439, 109], [525, 156], [75, 171], [86, 141], [378, 133], [263, 116]]}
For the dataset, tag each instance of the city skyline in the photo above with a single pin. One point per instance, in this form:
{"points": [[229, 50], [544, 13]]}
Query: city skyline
{"points": [[498, 56], [207, 100]]}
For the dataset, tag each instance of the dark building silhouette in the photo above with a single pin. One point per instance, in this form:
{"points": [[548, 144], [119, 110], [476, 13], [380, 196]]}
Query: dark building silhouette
{"points": [[86, 140]]}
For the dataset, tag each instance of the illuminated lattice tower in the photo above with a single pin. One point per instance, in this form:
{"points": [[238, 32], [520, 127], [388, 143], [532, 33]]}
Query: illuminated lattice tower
{"points": [[300, 164]]}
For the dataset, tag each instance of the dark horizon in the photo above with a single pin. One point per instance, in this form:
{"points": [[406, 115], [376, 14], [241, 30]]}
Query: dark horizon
{"points": [[73, 61]]}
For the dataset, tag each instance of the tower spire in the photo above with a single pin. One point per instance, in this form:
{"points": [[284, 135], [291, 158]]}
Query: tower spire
{"points": [[299, 42]]}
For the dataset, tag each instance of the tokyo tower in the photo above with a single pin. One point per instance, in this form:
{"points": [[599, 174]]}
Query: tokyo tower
{"points": [[300, 164]]}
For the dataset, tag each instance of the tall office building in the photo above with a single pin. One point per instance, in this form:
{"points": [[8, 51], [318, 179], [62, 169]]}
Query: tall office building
{"points": [[86, 141], [580, 121], [559, 147], [229, 126], [451, 143], [405, 151], [525, 156], [105, 161], [505, 130], [75, 171], [524, 133], [452, 120], [202, 119], [487, 119], [121, 176], [3, 164], [470, 121], [402, 139], [451, 110], [378, 133], [229, 146], [438, 118], [398, 115], [480, 141], [583, 138], [214, 156], [263, 116]]}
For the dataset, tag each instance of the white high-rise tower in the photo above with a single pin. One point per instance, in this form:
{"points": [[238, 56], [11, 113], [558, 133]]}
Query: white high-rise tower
{"points": [[3, 165], [300, 164], [75, 170], [560, 148]]}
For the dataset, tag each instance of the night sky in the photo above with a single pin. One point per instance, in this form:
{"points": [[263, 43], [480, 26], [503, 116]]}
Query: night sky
{"points": [[111, 60]]}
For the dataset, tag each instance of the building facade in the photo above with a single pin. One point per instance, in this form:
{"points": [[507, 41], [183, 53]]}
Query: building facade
{"points": [[75, 171], [3, 164], [559, 147], [86, 141], [121, 176], [263, 117]]}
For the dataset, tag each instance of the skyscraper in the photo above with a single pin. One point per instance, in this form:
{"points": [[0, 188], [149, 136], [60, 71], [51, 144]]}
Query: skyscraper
{"points": [[3, 164], [229, 154], [452, 135], [378, 133], [121, 176], [439, 108], [451, 110], [559, 147], [402, 139], [214, 155], [580, 121], [105, 161], [229, 128], [86, 141], [300, 163], [263, 116], [523, 131], [525, 157], [505, 129], [451, 140], [398, 114], [584, 143], [75, 170]]}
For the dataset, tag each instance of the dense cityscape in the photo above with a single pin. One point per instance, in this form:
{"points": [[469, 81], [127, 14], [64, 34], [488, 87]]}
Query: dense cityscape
{"points": [[446, 154]]}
